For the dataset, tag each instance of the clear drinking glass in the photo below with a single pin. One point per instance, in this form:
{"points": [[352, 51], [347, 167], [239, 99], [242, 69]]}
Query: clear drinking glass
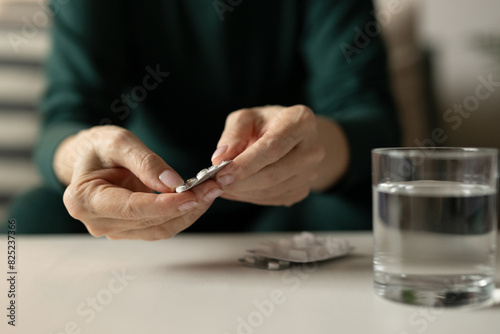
{"points": [[435, 225]]}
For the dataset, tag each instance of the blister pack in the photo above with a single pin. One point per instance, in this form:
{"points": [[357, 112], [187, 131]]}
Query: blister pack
{"points": [[202, 176], [301, 248]]}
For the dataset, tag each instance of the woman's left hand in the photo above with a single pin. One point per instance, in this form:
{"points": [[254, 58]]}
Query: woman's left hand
{"points": [[279, 154]]}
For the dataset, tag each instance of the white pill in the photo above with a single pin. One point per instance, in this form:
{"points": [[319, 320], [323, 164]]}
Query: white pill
{"points": [[273, 265], [250, 259], [190, 182], [201, 173], [308, 237], [180, 189]]}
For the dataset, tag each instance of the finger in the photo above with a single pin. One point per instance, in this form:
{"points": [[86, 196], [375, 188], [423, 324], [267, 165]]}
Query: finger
{"points": [[270, 175], [158, 232], [108, 201], [120, 147], [263, 192], [207, 191], [238, 133], [287, 198], [124, 178], [283, 134], [164, 230], [97, 202], [111, 226], [97, 198], [302, 161]]}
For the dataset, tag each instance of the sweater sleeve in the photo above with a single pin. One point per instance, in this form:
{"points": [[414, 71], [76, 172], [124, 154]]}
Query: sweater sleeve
{"points": [[348, 80], [86, 72]]}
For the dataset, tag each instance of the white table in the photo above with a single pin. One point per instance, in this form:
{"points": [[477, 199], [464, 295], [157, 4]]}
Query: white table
{"points": [[194, 284]]}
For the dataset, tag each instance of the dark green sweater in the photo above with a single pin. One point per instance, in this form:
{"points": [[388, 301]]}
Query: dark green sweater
{"points": [[172, 70]]}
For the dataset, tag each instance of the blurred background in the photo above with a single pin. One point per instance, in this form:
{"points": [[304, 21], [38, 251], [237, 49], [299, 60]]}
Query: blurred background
{"points": [[444, 62]]}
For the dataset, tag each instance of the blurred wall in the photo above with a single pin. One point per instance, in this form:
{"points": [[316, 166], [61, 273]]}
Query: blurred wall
{"points": [[23, 45], [407, 65], [463, 38]]}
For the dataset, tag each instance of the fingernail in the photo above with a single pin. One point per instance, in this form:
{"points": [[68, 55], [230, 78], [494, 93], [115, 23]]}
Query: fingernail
{"points": [[219, 151], [212, 194], [225, 180], [170, 179], [187, 206]]}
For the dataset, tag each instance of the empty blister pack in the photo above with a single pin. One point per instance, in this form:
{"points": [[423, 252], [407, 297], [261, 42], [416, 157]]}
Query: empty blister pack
{"points": [[202, 176], [301, 248]]}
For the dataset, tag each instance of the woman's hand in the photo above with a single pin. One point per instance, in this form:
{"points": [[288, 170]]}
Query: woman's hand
{"points": [[112, 178], [279, 154]]}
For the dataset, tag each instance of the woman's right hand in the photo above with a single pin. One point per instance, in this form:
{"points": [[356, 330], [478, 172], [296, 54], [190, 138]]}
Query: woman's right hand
{"points": [[112, 178]]}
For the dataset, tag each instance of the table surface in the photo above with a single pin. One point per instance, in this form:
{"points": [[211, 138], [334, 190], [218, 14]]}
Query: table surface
{"points": [[194, 284]]}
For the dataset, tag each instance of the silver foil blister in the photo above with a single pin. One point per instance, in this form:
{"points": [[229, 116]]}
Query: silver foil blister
{"points": [[301, 248], [202, 176]]}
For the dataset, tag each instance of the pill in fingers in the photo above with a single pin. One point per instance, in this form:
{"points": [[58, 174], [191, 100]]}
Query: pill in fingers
{"points": [[202, 176]]}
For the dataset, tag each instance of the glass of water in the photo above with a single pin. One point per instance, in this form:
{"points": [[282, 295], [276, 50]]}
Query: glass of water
{"points": [[435, 225]]}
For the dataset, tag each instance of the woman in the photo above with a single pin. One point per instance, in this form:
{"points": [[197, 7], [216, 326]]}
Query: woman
{"points": [[141, 94]]}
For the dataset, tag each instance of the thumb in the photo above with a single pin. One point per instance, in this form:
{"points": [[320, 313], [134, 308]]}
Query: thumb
{"points": [[237, 134], [126, 150]]}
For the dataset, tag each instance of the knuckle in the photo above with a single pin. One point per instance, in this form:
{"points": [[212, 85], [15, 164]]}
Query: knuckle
{"points": [[95, 200], [98, 201], [85, 136], [117, 130], [240, 116], [233, 116], [274, 148], [118, 137], [302, 113], [305, 117], [101, 133], [240, 113], [129, 211], [88, 135], [72, 202], [75, 204], [148, 161], [316, 154]]}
